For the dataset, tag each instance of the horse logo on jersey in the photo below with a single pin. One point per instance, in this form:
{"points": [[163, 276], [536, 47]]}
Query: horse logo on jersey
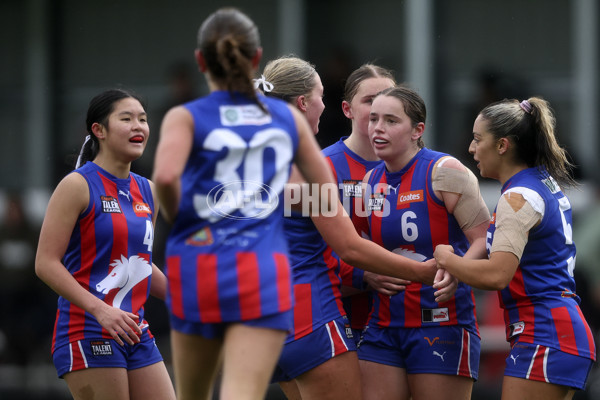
{"points": [[110, 205], [126, 273], [409, 254]]}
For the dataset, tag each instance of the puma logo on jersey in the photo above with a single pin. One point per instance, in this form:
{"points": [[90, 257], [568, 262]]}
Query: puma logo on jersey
{"points": [[514, 358], [122, 193], [110, 205], [435, 353]]}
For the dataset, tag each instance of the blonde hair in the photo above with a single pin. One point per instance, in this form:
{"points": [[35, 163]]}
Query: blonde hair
{"points": [[290, 76]]}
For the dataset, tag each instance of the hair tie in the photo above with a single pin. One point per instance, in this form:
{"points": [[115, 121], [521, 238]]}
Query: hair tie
{"points": [[266, 85], [87, 139], [526, 106]]}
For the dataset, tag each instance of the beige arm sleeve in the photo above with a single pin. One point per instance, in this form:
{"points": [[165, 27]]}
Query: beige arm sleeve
{"points": [[470, 210], [515, 217]]}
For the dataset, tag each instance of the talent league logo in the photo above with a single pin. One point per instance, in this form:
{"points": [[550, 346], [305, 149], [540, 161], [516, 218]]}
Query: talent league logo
{"points": [[101, 348], [352, 188], [110, 205]]}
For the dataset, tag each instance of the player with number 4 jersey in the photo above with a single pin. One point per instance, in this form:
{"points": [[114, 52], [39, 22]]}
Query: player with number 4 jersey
{"points": [[95, 251]]}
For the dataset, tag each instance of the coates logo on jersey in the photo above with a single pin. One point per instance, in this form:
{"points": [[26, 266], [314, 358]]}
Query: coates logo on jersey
{"points": [[404, 199], [242, 200], [141, 209]]}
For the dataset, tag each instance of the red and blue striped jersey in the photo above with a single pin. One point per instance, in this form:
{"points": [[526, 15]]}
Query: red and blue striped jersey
{"points": [[227, 257], [349, 170], [316, 285], [406, 217], [540, 304], [109, 253]]}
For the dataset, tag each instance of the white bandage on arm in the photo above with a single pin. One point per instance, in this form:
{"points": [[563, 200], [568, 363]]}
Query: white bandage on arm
{"points": [[470, 210], [515, 217]]}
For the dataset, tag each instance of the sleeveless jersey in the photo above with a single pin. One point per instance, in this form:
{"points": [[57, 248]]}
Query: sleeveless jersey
{"points": [[227, 257], [316, 286], [109, 253], [540, 304], [414, 222], [349, 170]]}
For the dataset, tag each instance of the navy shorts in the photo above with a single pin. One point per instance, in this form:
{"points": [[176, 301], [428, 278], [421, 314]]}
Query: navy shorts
{"points": [[312, 350], [445, 350], [105, 353], [545, 364], [281, 321]]}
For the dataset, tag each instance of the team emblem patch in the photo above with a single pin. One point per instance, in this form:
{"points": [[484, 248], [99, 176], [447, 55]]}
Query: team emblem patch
{"points": [[233, 115], [110, 205], [101, 348], [203, 237]]}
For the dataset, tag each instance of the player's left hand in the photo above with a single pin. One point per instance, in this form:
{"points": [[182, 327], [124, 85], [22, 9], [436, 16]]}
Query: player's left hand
{"points": [[446, 285]]}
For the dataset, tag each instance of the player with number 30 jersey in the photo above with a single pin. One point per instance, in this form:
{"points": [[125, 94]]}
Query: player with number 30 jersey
{"points": [[230, 213]]}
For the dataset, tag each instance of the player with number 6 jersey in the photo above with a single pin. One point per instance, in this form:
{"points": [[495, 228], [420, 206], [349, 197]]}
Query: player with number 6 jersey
{"points": [[418, 198]]}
